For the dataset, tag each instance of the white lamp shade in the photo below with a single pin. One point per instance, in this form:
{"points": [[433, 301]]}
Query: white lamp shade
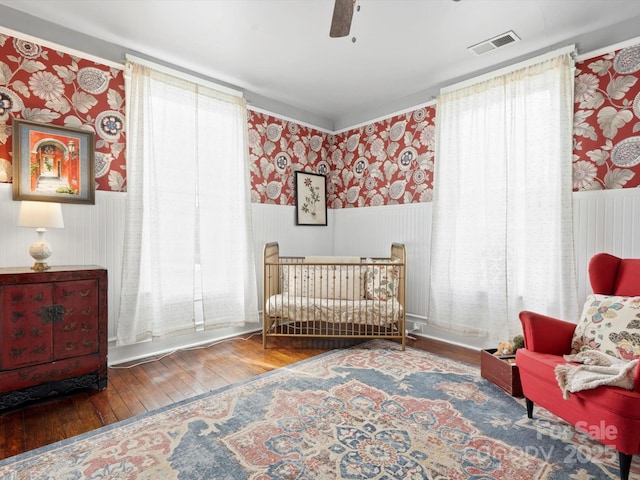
{"points": [[40, 215]]}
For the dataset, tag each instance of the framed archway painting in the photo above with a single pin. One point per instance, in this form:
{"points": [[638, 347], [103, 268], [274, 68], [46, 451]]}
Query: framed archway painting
{"points": [[311, 199], [53, 163]]}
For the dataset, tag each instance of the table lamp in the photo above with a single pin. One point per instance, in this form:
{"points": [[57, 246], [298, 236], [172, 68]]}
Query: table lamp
{"points": [[41, 215]]}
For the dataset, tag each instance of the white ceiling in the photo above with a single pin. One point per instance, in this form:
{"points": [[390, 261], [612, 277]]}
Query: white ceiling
{"points": [[281, 50]]}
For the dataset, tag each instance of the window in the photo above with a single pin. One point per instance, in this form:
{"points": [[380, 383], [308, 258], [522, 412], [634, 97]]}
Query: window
{"points": [[502, 220], [188, 256]]}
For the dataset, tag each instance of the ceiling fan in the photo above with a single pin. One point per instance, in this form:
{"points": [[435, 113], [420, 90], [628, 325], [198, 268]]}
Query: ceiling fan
{"points": [[342, 16]]}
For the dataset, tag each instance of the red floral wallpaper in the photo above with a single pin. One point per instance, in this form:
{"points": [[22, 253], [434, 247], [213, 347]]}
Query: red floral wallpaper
{"points": [[391, 161], [386, 162], [277, 148], [606, 122], [383, 163], [49, 86]]}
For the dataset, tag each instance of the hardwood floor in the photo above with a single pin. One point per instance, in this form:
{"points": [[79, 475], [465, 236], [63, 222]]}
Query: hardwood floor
{"points": [[146, 385]]}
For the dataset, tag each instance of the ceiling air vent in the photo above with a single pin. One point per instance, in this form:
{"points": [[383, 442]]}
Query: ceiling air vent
{"points": [[495, 42]]}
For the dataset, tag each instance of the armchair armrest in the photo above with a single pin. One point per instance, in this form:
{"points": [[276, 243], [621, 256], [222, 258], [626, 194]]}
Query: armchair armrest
{"points": [[545, 334]]}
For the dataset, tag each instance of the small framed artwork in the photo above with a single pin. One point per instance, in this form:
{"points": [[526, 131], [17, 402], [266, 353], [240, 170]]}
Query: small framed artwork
{"points": [[52, 163], [311, 199]]}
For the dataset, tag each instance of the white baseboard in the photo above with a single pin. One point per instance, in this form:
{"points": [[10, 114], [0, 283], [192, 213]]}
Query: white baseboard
{"points": [[418, 326], [138, 351]]}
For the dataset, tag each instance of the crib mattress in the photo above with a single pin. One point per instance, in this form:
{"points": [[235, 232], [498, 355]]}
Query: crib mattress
{"points": [[344, 312]]}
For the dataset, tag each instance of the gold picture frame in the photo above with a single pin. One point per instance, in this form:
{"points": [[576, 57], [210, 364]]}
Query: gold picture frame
{"points": [[53, 163]]}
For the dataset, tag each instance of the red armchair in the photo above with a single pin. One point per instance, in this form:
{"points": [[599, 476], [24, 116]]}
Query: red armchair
{"points": [[548, 339]]}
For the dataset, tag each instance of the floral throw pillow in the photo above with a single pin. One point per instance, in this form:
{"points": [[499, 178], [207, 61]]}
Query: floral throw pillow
{"points": [[611, 325], [381, 280]]}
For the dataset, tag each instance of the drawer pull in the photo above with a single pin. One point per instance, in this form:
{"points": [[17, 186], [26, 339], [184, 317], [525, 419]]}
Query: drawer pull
{"points": [[52, 314]]}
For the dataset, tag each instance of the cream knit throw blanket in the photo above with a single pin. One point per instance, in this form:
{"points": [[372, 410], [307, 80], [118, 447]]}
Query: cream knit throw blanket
{"points": [[598, 369]]}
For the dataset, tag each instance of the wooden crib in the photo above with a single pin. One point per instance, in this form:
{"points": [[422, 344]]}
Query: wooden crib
{"points": [[331, 297]]}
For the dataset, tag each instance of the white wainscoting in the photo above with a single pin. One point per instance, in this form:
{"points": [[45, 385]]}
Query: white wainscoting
{"points": [[607, 221], [92, 235], [604, 221], [370, 232], [366, 232], [276, 223]]}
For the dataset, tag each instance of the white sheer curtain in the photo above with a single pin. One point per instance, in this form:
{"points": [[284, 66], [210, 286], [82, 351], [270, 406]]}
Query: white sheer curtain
{"points": [[188, 259], [502, 236]]}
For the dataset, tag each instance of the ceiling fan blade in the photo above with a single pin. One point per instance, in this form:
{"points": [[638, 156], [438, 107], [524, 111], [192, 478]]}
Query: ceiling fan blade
{"points": [[342, 16]]}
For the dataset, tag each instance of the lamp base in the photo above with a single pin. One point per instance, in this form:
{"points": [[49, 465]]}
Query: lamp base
{"points": [[40, 266], [40, 251]]}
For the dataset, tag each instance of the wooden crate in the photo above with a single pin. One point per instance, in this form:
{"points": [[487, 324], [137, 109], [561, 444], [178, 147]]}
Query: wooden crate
{"points": [[500, 372]]}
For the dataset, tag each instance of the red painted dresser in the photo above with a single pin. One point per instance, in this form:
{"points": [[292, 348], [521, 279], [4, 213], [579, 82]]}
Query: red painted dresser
{"points": [[53, 332]]}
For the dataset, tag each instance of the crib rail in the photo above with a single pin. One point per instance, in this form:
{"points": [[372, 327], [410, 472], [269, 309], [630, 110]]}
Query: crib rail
{"points": [[334, 297]]}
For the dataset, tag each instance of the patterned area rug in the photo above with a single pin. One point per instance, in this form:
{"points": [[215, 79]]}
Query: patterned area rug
{"points": [[369, 412]]}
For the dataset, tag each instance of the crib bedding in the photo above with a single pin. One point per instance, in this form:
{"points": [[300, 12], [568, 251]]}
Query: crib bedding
{"points": [[382, 313]]}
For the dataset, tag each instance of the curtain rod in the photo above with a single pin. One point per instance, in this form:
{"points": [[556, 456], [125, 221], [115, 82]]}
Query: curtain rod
{"points": [[570, 49]]}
